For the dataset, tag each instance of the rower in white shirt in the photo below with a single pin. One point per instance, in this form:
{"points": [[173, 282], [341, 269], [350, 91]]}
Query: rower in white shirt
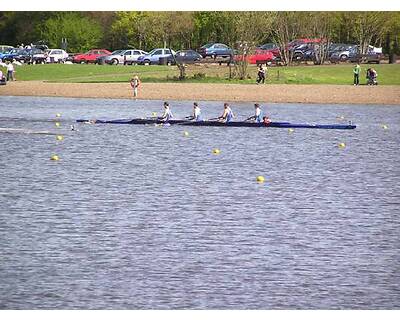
{"points": [[227, 115], [257, 114], [196, 113], [167, 115]]}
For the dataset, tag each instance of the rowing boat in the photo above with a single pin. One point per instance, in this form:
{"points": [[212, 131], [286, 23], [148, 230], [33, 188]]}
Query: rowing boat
{"points": [[209, 123]]}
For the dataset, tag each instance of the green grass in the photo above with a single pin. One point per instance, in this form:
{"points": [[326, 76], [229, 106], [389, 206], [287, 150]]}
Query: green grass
{"points": [[303, 74]]}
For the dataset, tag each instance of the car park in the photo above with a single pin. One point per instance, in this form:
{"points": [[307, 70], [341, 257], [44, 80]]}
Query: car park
{"points": [[215, 50], [185, 56], [90, 56], [56, 55], [156, 56]]}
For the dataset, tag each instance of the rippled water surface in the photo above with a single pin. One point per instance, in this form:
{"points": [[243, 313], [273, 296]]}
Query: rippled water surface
{"points": [[142, 217]]}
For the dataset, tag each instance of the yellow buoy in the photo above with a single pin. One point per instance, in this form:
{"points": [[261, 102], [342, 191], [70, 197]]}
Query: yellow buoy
{"points": [[58, 115], [154, 114], [385, 127], [55, 157], [342, 145], [290, 130], [260, 179], [216, 151], [186, 134], [59, 138], [57, 124]]}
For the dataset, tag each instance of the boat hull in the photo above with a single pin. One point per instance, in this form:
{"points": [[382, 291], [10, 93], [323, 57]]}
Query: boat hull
{"points": [[223, 124]]}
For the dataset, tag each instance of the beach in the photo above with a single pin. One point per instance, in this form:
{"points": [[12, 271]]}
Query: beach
{"points": [[268, 93]]}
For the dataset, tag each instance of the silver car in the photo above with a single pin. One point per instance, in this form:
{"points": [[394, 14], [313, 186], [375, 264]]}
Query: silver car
{"points": [[129, 56]]}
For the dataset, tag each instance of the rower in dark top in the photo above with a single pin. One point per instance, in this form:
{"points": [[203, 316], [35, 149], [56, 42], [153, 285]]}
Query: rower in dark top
{"points": [[257, 114], [227, 115], [167, 115]]}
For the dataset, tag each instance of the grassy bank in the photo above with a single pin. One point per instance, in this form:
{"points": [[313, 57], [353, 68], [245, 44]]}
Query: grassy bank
{"points": [[327, 74]]}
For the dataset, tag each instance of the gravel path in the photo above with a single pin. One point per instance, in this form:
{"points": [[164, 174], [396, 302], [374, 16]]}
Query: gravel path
{"points": [[217, 92]]}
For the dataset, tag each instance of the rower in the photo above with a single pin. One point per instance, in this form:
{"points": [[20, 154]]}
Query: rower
{"points": [[227, 115], [257, 115], [196, 113], [167, 113]]}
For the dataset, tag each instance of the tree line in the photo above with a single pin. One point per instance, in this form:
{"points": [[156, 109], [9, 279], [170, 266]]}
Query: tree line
{"points": [[183, 29]]}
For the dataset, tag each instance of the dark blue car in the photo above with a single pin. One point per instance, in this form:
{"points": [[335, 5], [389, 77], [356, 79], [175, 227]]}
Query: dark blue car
{"points": [[215, 50], [9, 55]]}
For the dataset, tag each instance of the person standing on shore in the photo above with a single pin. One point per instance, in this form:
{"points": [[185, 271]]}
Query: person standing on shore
{"points": [[356, 72], [135, 83], [10, 71]]}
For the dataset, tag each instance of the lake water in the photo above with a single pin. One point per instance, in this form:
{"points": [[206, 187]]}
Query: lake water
{"points": [[142, 217]]}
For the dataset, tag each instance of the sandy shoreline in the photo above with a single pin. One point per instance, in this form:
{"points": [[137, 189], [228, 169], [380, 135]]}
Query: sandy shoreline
{"points": [[388, 95]]}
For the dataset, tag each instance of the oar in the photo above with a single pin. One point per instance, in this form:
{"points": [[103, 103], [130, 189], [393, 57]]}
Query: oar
{"points": [[212, 119]]}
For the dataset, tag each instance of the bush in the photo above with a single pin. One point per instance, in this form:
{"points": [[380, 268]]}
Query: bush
{"points": [[199, 76]]}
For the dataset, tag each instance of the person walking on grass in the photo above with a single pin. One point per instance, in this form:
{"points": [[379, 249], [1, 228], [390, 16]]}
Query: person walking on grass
{"points": [[261, 74], [135, 83], [10, 71], [356, 72]]}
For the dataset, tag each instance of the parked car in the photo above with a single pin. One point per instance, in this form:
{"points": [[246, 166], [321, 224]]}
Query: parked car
{"points": [[124, 56], [299, 51], [30, 56], [56, 55], [90, 56], [342, 54], [215, 50], [185, 56], [374, 55], [101, 60], [114, 57], [153, 57], [297, 42], [131, 56], [10, 55], [259, 57], [70, 57], [269, 47]]}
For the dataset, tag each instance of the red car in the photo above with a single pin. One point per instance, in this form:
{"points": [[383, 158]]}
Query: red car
{"points": [[90, 56], [259, 56]]}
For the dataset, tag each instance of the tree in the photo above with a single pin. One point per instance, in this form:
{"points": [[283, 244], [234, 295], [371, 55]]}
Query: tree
{"points": [[81, 33], [320, 25], [250, 28], [213, 26], [22, 27], [368, 28], [286, 27]]}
